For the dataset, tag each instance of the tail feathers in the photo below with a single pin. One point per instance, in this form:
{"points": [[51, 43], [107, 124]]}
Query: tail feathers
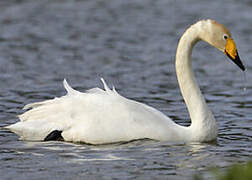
{"points": [[105, 85], [37, 104], [70, 90], [59, 107], [32, 130], [114, 90], [50, 110], [107, 89]]}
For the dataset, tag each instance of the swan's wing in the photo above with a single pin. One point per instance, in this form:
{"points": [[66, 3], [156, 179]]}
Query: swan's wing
{"points": [[46, 116], [96, 116]]}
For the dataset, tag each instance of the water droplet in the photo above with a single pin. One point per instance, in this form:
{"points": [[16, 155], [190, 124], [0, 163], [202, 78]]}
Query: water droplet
{"points": [[244, 81]]}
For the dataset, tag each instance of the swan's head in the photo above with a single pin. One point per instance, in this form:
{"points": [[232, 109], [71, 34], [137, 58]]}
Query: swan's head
{"points": [[220, 37]]}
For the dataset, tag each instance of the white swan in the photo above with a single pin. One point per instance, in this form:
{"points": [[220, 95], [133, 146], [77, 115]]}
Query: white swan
{"points": [[103, 116]]}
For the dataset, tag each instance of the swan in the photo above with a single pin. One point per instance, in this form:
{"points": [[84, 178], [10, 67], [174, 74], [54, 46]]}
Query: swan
{"points": [[100, 116]]}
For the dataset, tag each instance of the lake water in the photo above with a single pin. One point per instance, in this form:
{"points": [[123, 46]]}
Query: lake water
{"points": [[132, 45]]}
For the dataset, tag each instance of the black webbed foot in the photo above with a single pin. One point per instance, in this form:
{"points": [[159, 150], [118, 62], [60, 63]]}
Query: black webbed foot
{"points": [[54, 136]]}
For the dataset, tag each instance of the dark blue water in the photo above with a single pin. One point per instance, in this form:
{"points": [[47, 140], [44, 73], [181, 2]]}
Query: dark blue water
{"points": [[132, 45]]}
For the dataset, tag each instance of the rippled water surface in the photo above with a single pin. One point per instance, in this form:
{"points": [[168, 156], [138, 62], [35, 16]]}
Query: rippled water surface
{"points": [[132, 45]]}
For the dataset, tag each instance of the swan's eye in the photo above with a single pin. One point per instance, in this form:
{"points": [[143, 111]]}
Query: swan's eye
{"points": [[225, 36]]}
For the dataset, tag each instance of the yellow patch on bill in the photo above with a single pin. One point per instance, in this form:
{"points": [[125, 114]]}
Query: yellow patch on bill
{"points": [[230, 48]]}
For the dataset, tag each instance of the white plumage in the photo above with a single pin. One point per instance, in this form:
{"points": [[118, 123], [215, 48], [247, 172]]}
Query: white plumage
{"points": [[96, 116], [103, 116]]}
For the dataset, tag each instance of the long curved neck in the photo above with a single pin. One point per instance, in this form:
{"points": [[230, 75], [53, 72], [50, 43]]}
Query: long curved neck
{"points": [[200, 114]]}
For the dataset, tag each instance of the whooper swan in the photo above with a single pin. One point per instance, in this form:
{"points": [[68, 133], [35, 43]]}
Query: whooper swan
{"points": [[103, 116]]}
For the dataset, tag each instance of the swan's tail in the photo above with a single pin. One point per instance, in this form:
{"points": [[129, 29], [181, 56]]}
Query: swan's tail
{"points": [[42, 118]]}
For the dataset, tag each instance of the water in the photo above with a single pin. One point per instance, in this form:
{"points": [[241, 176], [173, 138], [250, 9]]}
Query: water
{"points": [[132, 45]]}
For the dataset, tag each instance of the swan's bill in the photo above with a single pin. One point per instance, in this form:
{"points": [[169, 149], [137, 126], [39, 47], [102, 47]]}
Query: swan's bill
{"points": [[236, 60], [232, 53]]}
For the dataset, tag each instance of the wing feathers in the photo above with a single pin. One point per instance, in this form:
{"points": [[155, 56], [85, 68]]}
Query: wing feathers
{"points": [[70, 90]]}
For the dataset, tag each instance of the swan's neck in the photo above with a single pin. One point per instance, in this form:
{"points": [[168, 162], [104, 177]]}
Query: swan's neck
{"points": [[201, 116]]}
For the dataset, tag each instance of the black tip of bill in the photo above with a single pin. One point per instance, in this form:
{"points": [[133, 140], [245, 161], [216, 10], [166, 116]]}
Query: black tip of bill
{"points": [[237, 61]]}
